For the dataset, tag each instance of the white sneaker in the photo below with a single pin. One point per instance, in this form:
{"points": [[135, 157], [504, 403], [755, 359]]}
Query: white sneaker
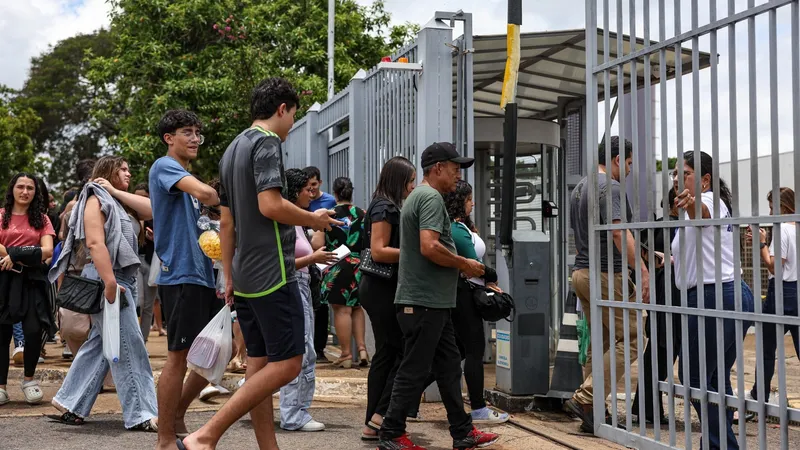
{"points": [[313, 425], [213, 391], [3, 397], [41, 360], [241, 382], [19, 355], [67, 353], [487, 415]]}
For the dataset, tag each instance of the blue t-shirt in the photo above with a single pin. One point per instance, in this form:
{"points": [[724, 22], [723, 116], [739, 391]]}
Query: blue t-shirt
{"points": [[175, 215], [326, 201]]}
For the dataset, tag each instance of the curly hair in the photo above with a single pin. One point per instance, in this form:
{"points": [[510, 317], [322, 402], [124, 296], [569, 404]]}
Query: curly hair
{"points": [[455, 202], [37, 209], [268, 96], [175, 119], [296, 180]]}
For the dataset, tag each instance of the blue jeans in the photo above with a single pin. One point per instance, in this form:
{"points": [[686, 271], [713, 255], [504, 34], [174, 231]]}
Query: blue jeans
{"points": [[770, 342], [710, 354], [297, 395], [132, 375], [19, 337]]}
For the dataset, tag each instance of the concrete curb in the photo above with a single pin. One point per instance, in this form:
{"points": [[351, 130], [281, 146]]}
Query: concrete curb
{"points": [[341, 390]]}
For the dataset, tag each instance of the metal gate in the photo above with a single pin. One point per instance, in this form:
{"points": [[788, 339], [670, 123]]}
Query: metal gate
{"points": [[721, 109]]}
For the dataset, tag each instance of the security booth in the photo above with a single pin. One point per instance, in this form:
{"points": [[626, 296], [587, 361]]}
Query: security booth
{"points": [[442, 89]]}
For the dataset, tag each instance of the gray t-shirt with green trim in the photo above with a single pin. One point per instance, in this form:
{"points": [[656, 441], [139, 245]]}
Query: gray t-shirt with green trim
{"points": [[264, 258], [421, 281]]}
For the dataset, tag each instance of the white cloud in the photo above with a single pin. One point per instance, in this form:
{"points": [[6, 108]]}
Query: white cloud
{"points": [[29, 27]]}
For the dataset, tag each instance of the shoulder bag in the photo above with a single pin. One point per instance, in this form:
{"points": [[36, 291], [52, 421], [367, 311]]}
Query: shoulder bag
{"points": [[370, 266]]}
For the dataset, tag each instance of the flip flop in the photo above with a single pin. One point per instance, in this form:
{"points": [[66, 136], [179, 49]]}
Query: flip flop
{"points": [[67, 419], [179, 443], [371, 437]]}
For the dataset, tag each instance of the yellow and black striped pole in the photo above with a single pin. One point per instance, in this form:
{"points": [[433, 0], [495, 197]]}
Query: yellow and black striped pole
{"points": [[508, 102]]}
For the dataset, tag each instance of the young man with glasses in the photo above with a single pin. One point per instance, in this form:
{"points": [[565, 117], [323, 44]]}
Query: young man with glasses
{"points": [[186, 280]]}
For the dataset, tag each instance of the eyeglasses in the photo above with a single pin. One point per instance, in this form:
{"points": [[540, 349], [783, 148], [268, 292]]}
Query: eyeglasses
{"points": [[191, 134]]}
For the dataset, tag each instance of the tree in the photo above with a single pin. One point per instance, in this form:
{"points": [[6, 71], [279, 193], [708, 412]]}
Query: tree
{"points": [[17, 124], [207, 55], [60, 93], [670, 164]]}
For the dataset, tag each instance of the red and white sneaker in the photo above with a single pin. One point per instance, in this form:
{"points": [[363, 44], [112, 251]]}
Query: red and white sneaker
{"points": [[476, 439], [401, 443]]}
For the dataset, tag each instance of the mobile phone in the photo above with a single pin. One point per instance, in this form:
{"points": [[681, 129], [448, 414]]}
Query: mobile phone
{"points": [[16, 268]]}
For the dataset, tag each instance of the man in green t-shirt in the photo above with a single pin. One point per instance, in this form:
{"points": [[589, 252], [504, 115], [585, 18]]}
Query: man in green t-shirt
{"points": [[426, 292]]}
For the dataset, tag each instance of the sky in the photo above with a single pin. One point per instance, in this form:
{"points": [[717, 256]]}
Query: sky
{"points": [[30, 26]]}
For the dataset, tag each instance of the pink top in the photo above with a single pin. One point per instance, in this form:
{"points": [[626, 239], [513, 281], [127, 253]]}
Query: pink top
{"points": [[301, 246], [20, 233]]}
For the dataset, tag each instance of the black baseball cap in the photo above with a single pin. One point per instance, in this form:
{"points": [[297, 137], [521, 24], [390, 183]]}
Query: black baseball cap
{"points": [[444, 151]]}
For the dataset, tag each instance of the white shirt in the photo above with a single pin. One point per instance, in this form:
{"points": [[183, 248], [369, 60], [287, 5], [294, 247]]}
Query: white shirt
{"points": [[788, 251], [689, 259]]}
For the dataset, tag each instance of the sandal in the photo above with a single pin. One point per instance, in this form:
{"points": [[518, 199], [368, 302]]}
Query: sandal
{"points": [[345, 362], [33, 393], [148, 426], [237, 367], [68, 418], [373, 427], [363, 358]]}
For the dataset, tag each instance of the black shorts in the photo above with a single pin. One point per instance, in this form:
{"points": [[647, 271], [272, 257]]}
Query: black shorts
{"points": [[273, 325], [188, 308]]}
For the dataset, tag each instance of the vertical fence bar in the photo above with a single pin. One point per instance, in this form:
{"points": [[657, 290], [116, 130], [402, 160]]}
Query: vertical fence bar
{"points": [[734, 148], [753, 110], [715, 188], [795, 71], [357, 149], [638, 270], [594, 213], [666, 185], [698, 214], [777, 231]]}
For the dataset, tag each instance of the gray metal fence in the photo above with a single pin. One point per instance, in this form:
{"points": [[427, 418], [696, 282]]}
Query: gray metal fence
{"points": [[712, 331], [376, 116]]}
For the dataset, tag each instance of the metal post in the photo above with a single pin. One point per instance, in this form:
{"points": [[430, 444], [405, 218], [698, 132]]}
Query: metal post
{"points": [[357, 153], [331, 26]]}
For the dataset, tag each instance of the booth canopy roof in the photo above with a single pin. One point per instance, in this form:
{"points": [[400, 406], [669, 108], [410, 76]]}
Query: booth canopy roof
{"points": [[553, 66]]}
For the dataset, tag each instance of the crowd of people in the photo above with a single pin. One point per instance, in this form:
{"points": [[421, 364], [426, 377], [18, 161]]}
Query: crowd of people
{"points": [[411, 261], [683, 276], [282, 271]]}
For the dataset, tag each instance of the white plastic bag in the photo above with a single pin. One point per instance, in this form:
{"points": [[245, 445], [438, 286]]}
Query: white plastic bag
{"points": [[111, 330], [211, 350]]}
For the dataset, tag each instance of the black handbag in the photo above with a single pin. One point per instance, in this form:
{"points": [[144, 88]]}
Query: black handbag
{"points": [[315, 285], [368, 265], [80, 294], [492, 305]]}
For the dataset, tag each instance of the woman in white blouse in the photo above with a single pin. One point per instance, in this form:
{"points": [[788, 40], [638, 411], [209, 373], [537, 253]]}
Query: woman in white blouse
{"points": [[788, 243], [684, 250]]}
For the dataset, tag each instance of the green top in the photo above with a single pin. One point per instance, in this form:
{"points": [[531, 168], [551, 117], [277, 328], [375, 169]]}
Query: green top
{"points": [[422, 282], [463, 240]]}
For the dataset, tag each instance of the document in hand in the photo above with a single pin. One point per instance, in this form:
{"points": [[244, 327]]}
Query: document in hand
{"points": [[341, 253]]}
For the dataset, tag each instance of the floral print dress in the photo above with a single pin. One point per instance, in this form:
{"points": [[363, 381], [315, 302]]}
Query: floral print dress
{"points": [[340, 281]]}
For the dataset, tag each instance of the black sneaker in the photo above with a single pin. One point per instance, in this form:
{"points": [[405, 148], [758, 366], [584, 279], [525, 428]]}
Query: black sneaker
{"points": [[576, 409]]}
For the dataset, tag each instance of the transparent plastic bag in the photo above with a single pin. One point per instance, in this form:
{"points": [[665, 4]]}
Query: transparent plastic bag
{"points": [[209, 239], [111, 329], [211, 350]]}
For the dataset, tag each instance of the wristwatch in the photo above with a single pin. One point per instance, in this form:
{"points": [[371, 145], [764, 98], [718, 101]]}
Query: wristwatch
{"points": [[763, 245]]}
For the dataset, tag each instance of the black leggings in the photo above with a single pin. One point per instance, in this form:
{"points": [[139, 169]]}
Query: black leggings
{"points": [[32, 330], [468, 325]]}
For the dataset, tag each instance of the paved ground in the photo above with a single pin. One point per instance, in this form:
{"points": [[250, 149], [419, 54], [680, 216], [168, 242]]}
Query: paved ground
{"points": [[343, 431], [347, 390]]}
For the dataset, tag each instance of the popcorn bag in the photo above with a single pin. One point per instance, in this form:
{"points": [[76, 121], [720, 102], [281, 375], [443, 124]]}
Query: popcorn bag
{"points": [[209, 239]]}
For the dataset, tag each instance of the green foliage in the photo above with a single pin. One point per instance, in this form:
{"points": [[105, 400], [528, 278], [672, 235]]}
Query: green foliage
{"points": [[60, 93], [207, 55], [17, 124], [670, 164]]}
